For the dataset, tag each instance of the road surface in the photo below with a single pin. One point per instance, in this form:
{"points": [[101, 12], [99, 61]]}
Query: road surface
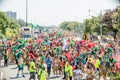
{"points": [[10, 73]]}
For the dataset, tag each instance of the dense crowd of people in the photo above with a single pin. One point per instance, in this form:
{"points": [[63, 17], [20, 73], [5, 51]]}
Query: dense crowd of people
{"points": [[64, 56]]}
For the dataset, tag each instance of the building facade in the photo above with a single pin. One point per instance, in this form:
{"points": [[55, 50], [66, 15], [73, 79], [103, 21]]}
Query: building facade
{"points": [[11, 14]]}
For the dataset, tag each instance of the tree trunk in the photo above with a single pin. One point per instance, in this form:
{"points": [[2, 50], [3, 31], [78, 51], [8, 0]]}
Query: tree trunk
{"points": [[115, 35]]}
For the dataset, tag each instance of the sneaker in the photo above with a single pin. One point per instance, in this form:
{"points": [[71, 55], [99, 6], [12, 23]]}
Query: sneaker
{"points": [[57, 76], [63, 78], [48, 75], [17, 75], [36, 72], [23, 76]]}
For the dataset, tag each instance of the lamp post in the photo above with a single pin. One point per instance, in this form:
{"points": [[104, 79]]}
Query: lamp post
{"points": [[101, 23], [26, 12], [22, 29], [90, 24]]}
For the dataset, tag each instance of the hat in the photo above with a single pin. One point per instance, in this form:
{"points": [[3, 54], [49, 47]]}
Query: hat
{"points": [[43, 67]]}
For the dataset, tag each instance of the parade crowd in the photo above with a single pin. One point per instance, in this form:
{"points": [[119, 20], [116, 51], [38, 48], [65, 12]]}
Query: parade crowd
{"points": [[64, 56]]}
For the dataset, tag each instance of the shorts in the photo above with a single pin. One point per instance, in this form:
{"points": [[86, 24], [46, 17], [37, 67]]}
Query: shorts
{"points": [[32, 75], [98, 69], [66, 73], [107, 64], [20, 68]]}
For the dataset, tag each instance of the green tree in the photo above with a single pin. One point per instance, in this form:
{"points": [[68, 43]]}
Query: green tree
{"points": [[92, 25], [13, 24], [4, 22], [111, 20], [21, 22], [7, 23], [116, 20], [70, 25], [87, 26]]}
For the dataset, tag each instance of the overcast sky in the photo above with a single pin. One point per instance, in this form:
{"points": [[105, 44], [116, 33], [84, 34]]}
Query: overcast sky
{"points": [[53, 12]]}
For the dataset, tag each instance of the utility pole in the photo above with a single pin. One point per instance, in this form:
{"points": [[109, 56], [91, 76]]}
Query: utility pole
{"points": [[100, 27], [26, 12], [101, 23], [90, 25]]}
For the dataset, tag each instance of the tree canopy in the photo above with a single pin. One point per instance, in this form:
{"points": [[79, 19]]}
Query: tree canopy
{"points": [[21, 22], [111, 20], [4, 22], [91, 25], [70, 25], [7, 24]]}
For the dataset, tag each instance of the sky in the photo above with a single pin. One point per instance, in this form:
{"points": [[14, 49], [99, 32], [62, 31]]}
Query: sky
{"points": [[54, 12]]}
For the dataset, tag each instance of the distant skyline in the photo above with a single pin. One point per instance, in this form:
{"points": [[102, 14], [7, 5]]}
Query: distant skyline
{"points": [[53, 12]]}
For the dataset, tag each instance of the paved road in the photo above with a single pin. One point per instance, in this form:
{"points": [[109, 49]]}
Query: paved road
{"points": [[10, 73]]}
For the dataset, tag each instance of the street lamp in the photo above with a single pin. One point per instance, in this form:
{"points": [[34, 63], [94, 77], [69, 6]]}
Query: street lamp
{"points": [[26, 12], [90, 25]]}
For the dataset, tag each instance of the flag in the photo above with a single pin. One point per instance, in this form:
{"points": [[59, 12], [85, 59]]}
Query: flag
{"points": [[32, 25], [38, 27]]}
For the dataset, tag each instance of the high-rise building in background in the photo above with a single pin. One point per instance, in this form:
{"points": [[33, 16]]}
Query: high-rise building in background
{"points": [[11, 14]]}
